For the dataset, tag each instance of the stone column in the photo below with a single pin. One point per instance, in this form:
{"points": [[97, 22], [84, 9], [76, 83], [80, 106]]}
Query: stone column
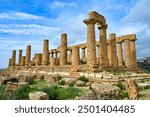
{"points": [[53, 62], [45, 55], [83, 52], [108, 51], [38, 59], [103, 45], [13, 60], [113, 50], [23, 58], [127, 53], [9, 64], [28, 55], [75, 56], [120, 54], [63, 50], [133, 53], [91, 43], [20, 56], [56, 54]]}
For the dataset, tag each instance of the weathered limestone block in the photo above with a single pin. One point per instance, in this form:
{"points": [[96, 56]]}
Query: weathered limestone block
{"points": [[28, 79], [39, 95], [28, 55], [38, 59], [105, 91], [80, 83], [4, 80], [11, 86], [45, 55], [132, 89], [63, 50], [88, 95]]}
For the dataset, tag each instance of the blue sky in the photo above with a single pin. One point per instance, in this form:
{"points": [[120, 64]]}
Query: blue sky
{"points": [[24, 22]]}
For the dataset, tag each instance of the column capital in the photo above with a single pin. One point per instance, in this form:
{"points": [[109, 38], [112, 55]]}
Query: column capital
{"points": [[89, 21], [102, 26]]}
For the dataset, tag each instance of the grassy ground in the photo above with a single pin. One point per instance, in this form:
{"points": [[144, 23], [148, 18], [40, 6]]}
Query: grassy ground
{"points": [[55, 92], [144, 94]]}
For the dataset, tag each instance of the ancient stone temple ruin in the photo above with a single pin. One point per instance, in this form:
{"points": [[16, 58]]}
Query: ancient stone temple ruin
{"points": [[115, 53]]}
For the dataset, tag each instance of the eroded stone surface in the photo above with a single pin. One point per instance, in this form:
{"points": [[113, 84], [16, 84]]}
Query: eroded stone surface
{"points": [[39, 95]]}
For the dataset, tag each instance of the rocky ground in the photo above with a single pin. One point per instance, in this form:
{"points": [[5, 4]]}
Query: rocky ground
{"points": [[43, 87]]}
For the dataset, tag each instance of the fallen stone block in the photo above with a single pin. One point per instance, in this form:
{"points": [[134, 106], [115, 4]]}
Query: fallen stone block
{"points": [[39, 95]]}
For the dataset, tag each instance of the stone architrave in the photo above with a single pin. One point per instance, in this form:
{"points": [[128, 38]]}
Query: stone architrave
{"points": [[63, 50], [13, 60], [120, 54], [28, 55], [103, 45], [45, 55], [91, 43], [20, 56], [75, 56], [23, 58], [38, 59], [113, 50], [127, 52]]}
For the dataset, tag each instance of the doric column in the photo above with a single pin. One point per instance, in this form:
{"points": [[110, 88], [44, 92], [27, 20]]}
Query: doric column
{"points": [[133, 52], [113, 50], [56, 54], [38, 59], [52, 54], [127, 53], [103, 45], [108, 51], [91, 43], [63, 50], [23, 60], [83, 52], [9, 64], [45, 55], [75, 55], [120, 54], [13, 60], [28, 55], [52, 62], [20, 56]]}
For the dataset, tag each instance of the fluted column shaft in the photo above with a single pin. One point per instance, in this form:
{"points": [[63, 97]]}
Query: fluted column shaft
{"points": [[127, 53], [133, 53], [63, 51], [91, 43], [45, 55], [20, 56], [28, 55], [75, 55], [120, 54], [13, 60]]}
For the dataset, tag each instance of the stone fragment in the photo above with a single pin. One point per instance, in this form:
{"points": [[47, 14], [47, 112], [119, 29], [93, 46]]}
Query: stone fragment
{"points": [[8, 79], [132, 89], [105, 91], [80, 83], [39, 95]]}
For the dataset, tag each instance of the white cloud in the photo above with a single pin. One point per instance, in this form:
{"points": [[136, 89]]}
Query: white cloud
{"points": [[58, 4], [18, 16], [27, 29]]}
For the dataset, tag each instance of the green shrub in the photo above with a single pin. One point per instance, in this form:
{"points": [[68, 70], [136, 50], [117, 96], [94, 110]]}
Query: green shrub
{"points": [[51, 91], [61, 82], [59, 78], [71, 84], [120, 85], [124, 94], [2, 94], [83, 78]]}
